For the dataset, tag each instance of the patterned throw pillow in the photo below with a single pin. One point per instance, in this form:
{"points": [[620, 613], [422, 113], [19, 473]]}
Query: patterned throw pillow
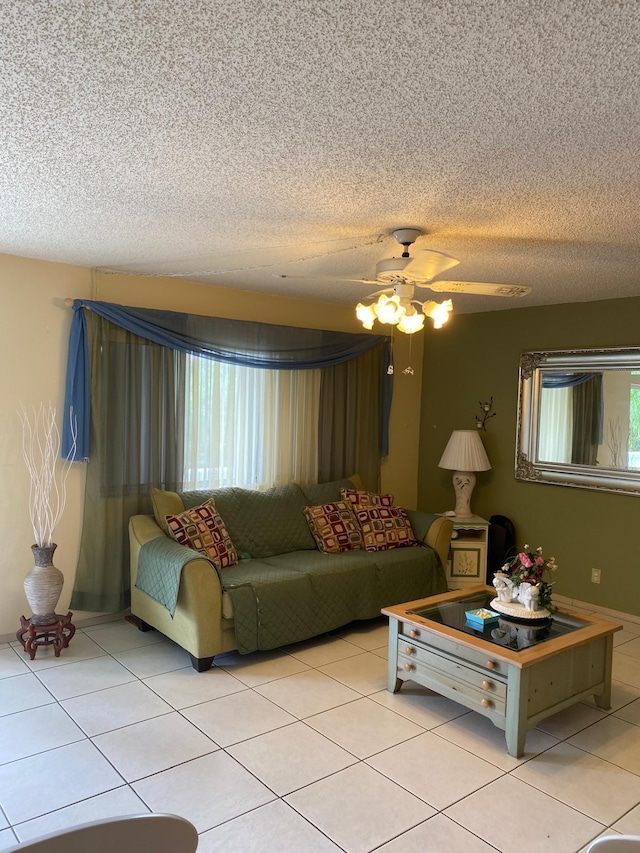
{"points": [[361, 500], [334, 527], [385, 527], [202, 529]]}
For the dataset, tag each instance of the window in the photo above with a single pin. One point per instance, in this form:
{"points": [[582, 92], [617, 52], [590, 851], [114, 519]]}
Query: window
{"points": [[249, 427]]}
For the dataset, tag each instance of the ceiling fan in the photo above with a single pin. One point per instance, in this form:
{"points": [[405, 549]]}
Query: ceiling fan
{"points": [[396, 303]]}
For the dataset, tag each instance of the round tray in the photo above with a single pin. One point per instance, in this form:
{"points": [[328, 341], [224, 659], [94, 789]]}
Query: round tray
{"points": [[515, 610]]}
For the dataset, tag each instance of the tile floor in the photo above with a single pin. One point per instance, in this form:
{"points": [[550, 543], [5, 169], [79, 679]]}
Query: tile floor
{"points": [[303, 749]]}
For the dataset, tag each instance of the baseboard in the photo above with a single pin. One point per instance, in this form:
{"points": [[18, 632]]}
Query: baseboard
{"points": [[595, 608]]}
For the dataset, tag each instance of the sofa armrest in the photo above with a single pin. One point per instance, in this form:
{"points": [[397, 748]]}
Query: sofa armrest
{"points": [[433, 530], [197, 624]]}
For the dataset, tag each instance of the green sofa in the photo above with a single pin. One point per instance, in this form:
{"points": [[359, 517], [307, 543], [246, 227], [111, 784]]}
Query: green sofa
{"points": [[283, 589]]}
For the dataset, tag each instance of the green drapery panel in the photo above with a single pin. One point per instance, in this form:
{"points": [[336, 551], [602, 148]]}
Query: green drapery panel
{"points": [[137, 400]]}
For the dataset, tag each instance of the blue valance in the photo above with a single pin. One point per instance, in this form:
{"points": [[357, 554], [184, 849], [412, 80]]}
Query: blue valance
{"points": [[237, 342], [565, 380]]}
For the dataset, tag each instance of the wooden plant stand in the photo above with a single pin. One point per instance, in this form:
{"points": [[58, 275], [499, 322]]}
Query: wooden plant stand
{"points": [[57, 634]]}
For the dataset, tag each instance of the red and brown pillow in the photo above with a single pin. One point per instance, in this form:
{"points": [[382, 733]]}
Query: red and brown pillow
{"points": [[362, 500], [203, 529], [334, 527], [385, 527]]}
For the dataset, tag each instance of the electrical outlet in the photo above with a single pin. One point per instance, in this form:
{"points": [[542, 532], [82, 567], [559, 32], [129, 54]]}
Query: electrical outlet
{"points": [[595, 575]]}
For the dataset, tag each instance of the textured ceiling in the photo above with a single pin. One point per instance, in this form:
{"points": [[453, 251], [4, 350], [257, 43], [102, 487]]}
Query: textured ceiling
{"points": [[234, 140]]}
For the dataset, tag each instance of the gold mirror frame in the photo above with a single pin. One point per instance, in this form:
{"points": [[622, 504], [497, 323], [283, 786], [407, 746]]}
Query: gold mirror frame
{"points": [[528, 467]]}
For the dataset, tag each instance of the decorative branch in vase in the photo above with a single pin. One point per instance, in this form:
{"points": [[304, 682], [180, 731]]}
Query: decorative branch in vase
{"points": [[47, 500]]}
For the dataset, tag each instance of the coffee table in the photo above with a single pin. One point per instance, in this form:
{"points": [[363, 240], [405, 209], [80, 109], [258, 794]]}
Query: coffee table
{"points": [[516, 674]]}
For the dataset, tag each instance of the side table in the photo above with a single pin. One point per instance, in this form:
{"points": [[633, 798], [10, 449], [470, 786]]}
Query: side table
{"points": [[467, 565], [57, 634]]}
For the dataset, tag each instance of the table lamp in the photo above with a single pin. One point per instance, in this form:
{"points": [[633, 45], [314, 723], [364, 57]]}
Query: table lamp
{"points": [[463, 455]]}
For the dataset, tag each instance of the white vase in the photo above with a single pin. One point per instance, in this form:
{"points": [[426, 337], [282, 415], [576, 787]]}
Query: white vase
{"points": [[43, 585]]}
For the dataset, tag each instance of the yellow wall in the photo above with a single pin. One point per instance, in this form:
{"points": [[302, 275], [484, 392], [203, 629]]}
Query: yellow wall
{"points": [[34, 329], [477, 356]]}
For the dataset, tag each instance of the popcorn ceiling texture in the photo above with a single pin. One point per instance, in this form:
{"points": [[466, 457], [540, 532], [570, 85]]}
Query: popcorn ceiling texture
{"points": [[244, 138]]}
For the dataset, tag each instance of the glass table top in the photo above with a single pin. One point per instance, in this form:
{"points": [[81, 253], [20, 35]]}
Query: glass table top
{"points": [[508, 633]]}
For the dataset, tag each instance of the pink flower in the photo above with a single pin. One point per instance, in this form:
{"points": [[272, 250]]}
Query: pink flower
{"points": [[539, 561], [524, 559]]}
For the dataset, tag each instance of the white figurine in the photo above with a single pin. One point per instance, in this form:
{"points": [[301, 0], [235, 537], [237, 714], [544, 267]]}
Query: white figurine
{"points": [[504, 587]]}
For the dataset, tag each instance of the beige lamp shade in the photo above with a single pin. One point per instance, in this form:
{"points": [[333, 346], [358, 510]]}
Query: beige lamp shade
{"points": [[463, 455], [465, 452]]}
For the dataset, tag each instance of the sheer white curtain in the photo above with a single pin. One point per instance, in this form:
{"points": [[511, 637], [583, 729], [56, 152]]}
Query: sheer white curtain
{"points": [[556, 425], [250, 427]]}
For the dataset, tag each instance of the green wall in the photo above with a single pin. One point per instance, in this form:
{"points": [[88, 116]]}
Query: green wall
{"points": [[475, 357]]}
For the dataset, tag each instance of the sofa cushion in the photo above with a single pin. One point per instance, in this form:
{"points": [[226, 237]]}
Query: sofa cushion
{"points": [[361, 500], [164, 504], [334, 527], [261, 524], [202, 529], [324, 493], [385, 527]]}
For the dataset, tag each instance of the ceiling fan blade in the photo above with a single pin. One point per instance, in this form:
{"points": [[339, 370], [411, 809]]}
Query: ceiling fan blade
{"points": [[427, 264], [483, 288], [328, 278]]}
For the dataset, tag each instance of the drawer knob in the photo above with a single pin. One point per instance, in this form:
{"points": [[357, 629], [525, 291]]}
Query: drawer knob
{"points": [[490, 664], [408, 667], [487, 685], [414, 633], [410, 650], [485, 703]]}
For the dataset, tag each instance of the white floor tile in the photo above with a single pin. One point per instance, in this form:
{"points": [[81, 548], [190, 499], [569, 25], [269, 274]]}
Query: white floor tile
{"points": [[630, 713], [433, 769], [614, 740], [623, 637], [80, 772], [537, 824], [307, 693], [608, 833], [626, 668], [291, 757], [479, 736], [367, 635], [36, 730], [237, 717], [121, 636], [261, 667], [81, 647], [4, 823], [569, 722], [116, 803], [86, 676], [341, 807], [115, 707], [207, 791], [153, 745], [271, 828], [7, 839], [421, 706], [581, 780], [629, 824], [366, 673], [152, 660], [323, 650], [11, 663], [364, 727], [182, 688], [21, 693], [437, 834]]}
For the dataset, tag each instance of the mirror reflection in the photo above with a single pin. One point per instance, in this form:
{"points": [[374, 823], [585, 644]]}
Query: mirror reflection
{"points": [[579, 419]]}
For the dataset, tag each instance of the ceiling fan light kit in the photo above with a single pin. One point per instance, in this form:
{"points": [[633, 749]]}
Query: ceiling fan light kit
{"points": [[404, 274]]}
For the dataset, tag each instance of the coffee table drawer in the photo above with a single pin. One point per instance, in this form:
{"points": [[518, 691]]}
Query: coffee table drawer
{"points": [[478, 678], [410, 634], [462, 685]]}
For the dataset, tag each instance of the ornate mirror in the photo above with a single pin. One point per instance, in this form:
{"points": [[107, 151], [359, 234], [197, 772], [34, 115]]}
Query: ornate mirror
{"points": [[579, 419]]}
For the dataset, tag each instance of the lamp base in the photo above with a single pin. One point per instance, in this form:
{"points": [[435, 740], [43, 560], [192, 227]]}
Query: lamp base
{"points": [[463, 483]]}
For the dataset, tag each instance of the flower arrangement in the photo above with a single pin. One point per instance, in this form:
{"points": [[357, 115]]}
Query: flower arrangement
{"points": [[531, 567]]}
